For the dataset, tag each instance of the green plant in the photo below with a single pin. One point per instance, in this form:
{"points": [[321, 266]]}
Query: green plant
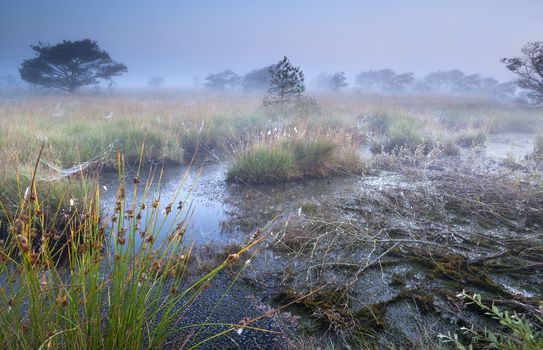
{"points": [[293, 159], [515, 332], [263, 164], [313, 157], [538, 144], [471, 139], [120, 285], [403, 135]]}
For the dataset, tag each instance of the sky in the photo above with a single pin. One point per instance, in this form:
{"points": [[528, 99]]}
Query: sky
{"points": [[183, 41]]}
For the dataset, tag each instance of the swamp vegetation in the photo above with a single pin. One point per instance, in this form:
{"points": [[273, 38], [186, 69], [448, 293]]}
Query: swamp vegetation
{"points": [[378, 222]]}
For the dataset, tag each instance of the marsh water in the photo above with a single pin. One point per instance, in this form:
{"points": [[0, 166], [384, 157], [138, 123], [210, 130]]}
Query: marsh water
{"points": [[222, 214]]}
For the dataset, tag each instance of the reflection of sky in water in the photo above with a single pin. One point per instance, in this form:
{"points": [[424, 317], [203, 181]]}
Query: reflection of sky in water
{"points": [[201, 193]]}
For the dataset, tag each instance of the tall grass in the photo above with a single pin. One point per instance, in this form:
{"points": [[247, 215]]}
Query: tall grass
{"points": [[293, 159], [119, 285], [264, 164], [538, 145]]}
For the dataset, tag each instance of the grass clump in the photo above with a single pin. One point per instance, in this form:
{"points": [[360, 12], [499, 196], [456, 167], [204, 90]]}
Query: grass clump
{"points": [[121, 285], [264, 164], [291, 160], [449, 148], [471, 139], [538, 145], [403, 135], [313, 158], [379, 123]]}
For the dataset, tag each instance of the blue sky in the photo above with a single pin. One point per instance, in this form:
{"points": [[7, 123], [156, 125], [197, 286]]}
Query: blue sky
{"points": [[180, 40]]}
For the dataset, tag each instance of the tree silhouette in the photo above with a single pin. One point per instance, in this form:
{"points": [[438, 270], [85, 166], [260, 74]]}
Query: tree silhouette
{"points": [[257, 79], [222, 80], [374, 79], [69, 65], [338, 81], [529, 68], [286, 84], [333, 82]]}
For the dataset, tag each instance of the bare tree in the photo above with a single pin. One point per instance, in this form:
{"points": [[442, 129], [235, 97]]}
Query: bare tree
{"points": [[530, 69]]}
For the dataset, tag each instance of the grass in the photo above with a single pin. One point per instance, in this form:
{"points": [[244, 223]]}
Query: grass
{"points": [[471, 139], [110, 287], [114, 290], [264, 164], [403, 133], [538, 145], [293, 159]]}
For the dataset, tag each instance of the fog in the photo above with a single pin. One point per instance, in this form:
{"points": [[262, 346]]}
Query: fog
{"points": [[183, 42]]}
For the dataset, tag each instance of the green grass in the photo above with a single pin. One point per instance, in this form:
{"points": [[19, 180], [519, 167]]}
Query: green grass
{"points": [[264, 164], [110, 291], [293, 159], [538, 145], [314, 157], [471, 139], [403, 133]]}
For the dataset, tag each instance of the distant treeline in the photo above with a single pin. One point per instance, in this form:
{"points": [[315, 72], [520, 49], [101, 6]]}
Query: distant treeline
{"points": [[384, 80]]}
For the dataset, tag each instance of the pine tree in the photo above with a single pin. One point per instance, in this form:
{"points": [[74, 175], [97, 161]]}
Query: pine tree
{"points": [[286, 84], [70, 65]]}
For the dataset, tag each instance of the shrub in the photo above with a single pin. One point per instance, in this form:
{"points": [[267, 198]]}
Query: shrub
{"points": [[515, 332]]}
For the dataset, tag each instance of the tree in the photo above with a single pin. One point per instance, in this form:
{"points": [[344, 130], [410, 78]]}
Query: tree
{"points": [[444, 80], [470, 83], [334, 82], [374, 79], [384, 80], [338, 81], [286, 84], [488, 83], [506, 90], [155, 82], [257, 79], [530, 69], [70, 65], [222, 80], [399, 82]]}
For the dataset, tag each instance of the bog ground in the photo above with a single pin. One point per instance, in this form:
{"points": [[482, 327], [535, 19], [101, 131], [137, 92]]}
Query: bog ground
{"points": [[343, 220]]}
